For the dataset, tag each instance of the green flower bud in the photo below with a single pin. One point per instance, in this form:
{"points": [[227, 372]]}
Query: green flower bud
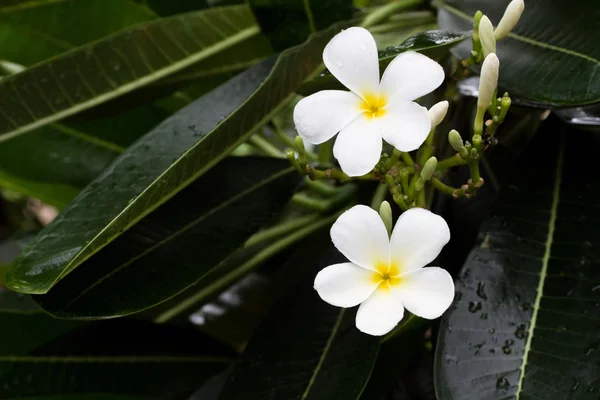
{"points": [[477, 141], [486, 36], [429, 168], [299, 145], [385, 211], [474, 154], [476, 18], [456, 140]]}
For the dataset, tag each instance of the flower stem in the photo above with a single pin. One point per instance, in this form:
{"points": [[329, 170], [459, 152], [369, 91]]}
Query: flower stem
{"points": [[263, 145], [281, 229], [381, 13], [442, 187], [325, 151], [450, 162], [379, 196]]}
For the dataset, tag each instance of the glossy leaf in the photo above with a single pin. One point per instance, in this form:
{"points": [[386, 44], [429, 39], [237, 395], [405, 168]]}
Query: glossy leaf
{"points": [[434, 44], [290, 22], [41, 357], [164, 162], [95, 73], [551, 57], [34, 30], [525, 322], [305, 349], [178, 244]]}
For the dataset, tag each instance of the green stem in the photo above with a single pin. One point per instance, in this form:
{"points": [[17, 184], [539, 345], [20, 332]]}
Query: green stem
{"points": [[385, 11], [398, 24], [474, 169], [379, 196], [408, 160], [263, 145], [288, 141], [325, 151], [243, 269], [413, 322], [321, 187], [279, 230], [442, 187], [450, 162]]}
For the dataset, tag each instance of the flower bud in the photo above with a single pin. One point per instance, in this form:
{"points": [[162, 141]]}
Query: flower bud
{"points": [[477, 140], [509, 19], [429, 168], [385, 212], [455, 140], [486, 35], [437, 113], [488, 80]]}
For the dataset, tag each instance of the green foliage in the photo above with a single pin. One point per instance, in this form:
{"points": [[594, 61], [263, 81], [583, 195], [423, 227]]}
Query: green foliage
{"points": [[290, 22], [551, 57], [163, 132], [525, 321]]}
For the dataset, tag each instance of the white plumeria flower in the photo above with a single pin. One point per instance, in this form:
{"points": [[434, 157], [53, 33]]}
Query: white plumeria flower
{"points": [[386, 275], [372, 110]]}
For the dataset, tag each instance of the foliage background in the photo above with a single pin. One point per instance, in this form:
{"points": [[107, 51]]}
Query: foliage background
{"points": [[157, 129]]}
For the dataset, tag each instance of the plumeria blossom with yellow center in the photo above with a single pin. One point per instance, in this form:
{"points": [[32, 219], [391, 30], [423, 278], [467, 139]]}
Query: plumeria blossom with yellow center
{"points": [[386, 275], [372, 110]]}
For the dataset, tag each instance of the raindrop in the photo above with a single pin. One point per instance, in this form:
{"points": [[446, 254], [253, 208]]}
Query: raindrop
{"points": [[575, 385], [483, 316], [451, 359], [502, 383], [474, 306], [363, 46], [506, 348], [339, 63], [481, 290], [492, 330], [521, 333]]}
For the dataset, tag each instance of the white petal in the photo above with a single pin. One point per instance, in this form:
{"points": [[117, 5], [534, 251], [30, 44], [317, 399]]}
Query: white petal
{"points": [[380, 313], [405, 125], [358, 146], [360, 235], [351, 56], [426, 292], [345, 285], [320, 116], [417, 239], [410, 76]]}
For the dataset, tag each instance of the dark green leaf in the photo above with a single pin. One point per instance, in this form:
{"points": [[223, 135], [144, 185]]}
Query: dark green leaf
{"points": [[100, 71], [41, 356], [178, 244], [290, 22], [551, 57], [434, 44], [305, 349], [163, 163], [34, 30], [525, 320], [171, 7]]}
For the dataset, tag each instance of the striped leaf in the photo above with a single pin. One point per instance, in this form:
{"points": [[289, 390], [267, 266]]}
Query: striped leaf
{"points": [[525, 324]]}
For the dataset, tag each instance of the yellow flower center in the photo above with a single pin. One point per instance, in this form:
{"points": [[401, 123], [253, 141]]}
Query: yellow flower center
{"points": [[386, 275], [374, 106]]}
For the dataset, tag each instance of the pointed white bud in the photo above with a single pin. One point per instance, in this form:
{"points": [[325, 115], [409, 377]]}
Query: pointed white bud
{"points": [[486, 35], [509, 19], [437, 113], [488, 80]]}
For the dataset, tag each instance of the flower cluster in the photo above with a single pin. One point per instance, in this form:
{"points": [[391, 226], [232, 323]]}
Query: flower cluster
{"points": [[385, 274]]}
